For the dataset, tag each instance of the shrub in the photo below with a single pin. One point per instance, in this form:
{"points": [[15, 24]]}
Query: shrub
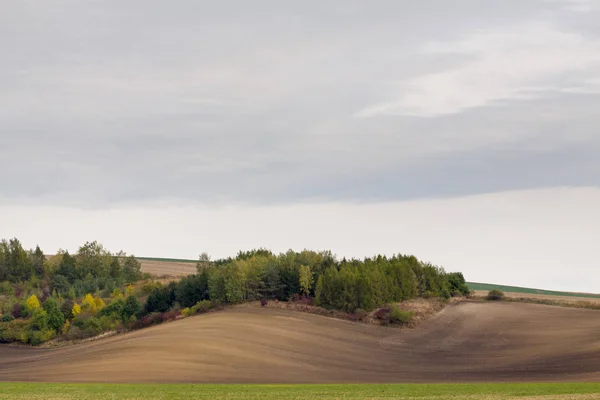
{"points": [[445, 294], [201, 307], [17, 310], [38, 337], [186, 312], [264, 302], [495, 294], [398, 316], [382, 313], [7, 318], [148, 320], [14, 331]]}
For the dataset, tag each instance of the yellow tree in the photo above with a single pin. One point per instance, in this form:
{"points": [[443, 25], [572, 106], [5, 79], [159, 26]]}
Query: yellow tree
{"points": [[88, 303], [99, 304], [32, 304], [76, 309]]}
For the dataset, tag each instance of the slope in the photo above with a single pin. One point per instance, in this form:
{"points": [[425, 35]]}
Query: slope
{"points": [[465, 342]]}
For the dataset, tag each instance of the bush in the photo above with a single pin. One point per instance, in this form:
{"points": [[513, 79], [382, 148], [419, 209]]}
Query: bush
{"points": [[495, 294], [201, 307], [264, 302], [17, 310], [148, 320], [186, 312], [382, 313], [38, 337], [398, 316], [7, 318], [14, 331], [445, 294]]}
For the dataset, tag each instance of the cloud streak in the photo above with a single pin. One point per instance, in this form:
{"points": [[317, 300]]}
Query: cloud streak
{"points": [[508, 64]]}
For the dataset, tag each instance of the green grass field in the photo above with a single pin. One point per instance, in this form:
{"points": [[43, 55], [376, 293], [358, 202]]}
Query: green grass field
{"points": [[13, 391], [517, 289], [178, 260]]}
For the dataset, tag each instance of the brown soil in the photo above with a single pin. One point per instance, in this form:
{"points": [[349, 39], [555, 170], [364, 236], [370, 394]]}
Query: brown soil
{"points": [[470, 341]]}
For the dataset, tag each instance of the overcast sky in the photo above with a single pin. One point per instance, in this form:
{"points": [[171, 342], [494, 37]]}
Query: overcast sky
{"points": [[465, 132]]}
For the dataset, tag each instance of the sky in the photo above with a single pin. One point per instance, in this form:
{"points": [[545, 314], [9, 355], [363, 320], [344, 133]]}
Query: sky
{"points": [[464, 132]]}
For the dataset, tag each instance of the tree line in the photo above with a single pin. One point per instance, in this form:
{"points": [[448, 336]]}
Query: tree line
{"points": [[39, 296], [346, 285], [74, 296]]}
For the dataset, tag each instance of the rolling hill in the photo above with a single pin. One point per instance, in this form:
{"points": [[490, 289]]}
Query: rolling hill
{"points": [[469, 341]]}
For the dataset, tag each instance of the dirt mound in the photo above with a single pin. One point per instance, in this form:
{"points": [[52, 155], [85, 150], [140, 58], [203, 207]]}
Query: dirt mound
{"points": [[465, 342]]}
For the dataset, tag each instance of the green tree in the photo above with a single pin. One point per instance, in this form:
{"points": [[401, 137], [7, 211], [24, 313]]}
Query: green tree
{"points": [[132, 270], [130, 308], [39, 319], [56, 319]]}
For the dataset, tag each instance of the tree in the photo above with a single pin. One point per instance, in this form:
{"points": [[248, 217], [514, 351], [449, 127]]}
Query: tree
{"points": [[76, 310], [38, 261], [192, 289], [39, 320], [132, 270], [56, 319], [161, 298], [67, 267], [203, 262], [67, 309], [32, 304], [130, 308], [60, 283], [306, 279]]}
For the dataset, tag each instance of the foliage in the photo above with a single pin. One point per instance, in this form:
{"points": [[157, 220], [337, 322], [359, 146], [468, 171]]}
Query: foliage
{"points": [[398, 316], [40, 294], [32, 304], [76, 310], [56, 318], [345, 285], [495, 294], [162, 298], [7, 318]]}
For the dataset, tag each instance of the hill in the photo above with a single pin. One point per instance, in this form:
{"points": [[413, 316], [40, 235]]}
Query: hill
{"points": [[470, 341]]}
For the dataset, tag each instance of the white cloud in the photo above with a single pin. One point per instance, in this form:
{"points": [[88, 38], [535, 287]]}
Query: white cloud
{"points": [[505, 64]]}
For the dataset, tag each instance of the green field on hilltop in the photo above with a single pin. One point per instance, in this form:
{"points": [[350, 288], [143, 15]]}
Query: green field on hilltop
{"points": [[179, 260], [13, 391], [517, 289]]}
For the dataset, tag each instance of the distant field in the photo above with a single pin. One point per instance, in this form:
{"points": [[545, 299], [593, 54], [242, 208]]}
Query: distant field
{"points": [[516, 289], [575, 391], [167, 266]]}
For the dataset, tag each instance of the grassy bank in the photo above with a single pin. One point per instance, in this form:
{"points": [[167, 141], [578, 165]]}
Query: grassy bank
{"points": [[13, 391]]}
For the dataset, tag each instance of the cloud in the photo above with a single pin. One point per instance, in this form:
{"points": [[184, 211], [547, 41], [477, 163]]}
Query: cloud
{"points": [[505, 64], [111, 102]]}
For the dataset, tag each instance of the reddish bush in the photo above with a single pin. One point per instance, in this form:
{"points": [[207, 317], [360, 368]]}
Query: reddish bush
{"points": [[264, 302], [296, 298], [16, 311], [148, 320], [170, 315], [382, 313]]}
